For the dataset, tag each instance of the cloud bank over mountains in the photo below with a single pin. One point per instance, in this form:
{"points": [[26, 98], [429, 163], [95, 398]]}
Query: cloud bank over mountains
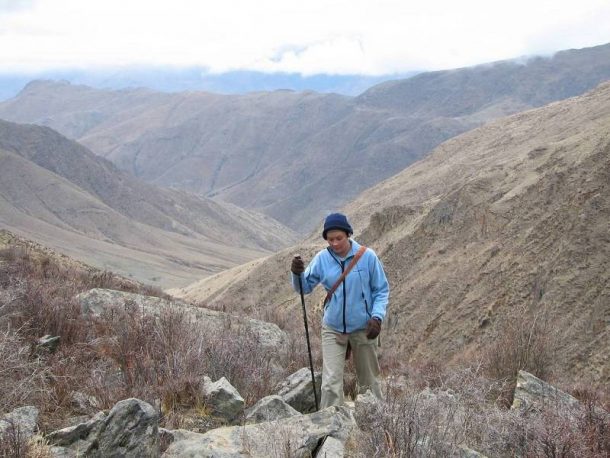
{"points": [[314, 37]]}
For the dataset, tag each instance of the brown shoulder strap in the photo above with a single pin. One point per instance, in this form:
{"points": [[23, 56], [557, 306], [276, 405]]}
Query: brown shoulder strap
{"points": [[350, 266]]}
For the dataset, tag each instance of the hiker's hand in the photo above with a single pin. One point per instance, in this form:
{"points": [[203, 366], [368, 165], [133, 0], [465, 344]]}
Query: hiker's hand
{"points": [[373, 328], [297, 267]]}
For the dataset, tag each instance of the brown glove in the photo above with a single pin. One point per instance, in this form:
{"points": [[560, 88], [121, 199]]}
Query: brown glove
{"points": [[297, 266], [373, 328]]}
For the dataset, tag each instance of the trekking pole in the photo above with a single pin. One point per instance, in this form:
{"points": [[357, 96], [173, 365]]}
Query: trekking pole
{"points": [[313, 377]]}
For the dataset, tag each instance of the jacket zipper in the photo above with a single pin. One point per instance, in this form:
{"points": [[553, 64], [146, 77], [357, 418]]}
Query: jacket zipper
{"points": [[344, 323], [342, 264]]}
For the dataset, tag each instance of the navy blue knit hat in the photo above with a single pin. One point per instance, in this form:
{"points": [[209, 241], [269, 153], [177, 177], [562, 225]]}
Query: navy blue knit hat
{"points": [[337, 221]]}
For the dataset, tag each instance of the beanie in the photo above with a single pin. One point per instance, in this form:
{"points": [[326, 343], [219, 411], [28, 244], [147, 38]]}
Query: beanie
{"points": [[336, 221]]}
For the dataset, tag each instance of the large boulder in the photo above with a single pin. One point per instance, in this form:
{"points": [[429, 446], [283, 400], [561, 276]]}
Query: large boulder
{"points": [[297, 390], [21, 422], [532, 393], [331, 448], [96, 301], [222, 398], [131, 429], [298, 436], [270, 408], [77, 440]]}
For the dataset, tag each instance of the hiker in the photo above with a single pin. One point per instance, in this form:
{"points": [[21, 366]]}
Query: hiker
{"points": [[352, 314]]}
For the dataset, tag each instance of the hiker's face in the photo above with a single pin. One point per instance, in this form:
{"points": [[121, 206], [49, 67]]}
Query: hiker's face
{"points": [[338, 242]]}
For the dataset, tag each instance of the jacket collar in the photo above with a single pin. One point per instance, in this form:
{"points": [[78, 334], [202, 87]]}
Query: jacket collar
{"points": [[351, 253]]}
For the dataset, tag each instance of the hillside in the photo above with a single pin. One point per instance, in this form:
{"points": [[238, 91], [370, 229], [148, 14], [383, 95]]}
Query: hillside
{"points": [[505, 224], [493, 90], [297, 155], [57, 192]]}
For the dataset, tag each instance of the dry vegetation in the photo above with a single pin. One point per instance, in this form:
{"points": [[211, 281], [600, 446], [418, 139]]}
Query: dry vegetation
{"points": [[459, 409], [118, 355], [429, 411]]}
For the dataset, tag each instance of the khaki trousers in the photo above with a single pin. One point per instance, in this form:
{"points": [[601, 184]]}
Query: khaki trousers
{"points": [[364, 352]]}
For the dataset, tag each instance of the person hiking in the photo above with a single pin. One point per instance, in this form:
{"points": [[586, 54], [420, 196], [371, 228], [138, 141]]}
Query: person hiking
{"points": [[353, 313]]}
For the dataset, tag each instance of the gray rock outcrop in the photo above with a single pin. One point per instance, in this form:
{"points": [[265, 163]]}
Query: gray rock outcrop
{"points": [[222, 398], [534, 393], [331, 448], [298, 436], [131, 429], [21, 422], [297, 391], [77, 440], [270, 408], [97, 300], [365, 404]]}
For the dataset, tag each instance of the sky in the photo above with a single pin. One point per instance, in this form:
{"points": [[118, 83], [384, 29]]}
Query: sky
{"points": [[310, 37]]}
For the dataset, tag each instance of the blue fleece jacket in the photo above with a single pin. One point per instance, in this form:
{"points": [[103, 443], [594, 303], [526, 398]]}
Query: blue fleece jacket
{"points": [[363, 294]]}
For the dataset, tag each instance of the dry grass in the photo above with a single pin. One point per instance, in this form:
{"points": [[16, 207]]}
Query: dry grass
{"points": [[460, 410], [22, 379], [120, 354], [14, 445], [524, 341], [123, 353]]}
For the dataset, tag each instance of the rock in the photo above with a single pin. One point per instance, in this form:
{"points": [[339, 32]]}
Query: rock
{"points": [[77, 420], [366, 405], [466, 452], [533, 393], [223, 398], [297, 436], [268, 409], [166, 437], [97, 301], [63, 452], [83, 403], [297, 391], [21, 421], [129, 430], [331, 448], [80, 438], [47, 343]]}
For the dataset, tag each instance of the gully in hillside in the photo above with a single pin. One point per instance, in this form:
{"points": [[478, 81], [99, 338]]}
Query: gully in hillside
{"points": [[354, 308]]}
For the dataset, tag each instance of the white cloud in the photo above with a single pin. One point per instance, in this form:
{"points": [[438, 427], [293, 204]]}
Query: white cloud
{"points": [[317, 36]]}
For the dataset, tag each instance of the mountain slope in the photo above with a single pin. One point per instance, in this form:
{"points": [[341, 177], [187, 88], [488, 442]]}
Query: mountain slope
{"points": [[56, 191], [492, 90], [510, 220], [295, 156]]}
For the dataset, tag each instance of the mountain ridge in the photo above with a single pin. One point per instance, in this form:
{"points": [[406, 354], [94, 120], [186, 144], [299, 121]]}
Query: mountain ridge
{"points": [[298, 155]]}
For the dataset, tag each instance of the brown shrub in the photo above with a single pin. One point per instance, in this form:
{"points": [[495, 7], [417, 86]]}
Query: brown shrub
{"points": [[460, 409], [522, 343], [123, 353], [22, 379], [13, 444]]}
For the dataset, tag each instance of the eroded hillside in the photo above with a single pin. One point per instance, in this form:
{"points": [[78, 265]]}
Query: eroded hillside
{"points": [[507, 223], [57, 192]]}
